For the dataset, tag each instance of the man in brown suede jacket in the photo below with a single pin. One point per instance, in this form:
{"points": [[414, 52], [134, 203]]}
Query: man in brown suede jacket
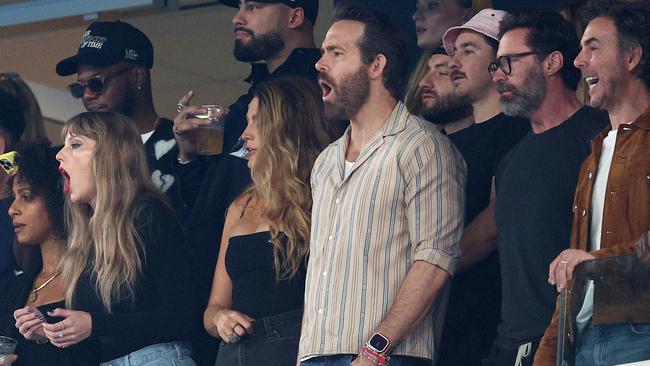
{"points": [[612, 202]]}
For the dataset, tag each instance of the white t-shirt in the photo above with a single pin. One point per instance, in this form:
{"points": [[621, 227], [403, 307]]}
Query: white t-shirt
{"points": [[146, 136], [597, 207], [348, 167]]}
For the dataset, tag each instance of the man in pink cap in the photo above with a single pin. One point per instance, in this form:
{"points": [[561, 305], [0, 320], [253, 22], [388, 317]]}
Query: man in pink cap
{"points": [[474, 303]]}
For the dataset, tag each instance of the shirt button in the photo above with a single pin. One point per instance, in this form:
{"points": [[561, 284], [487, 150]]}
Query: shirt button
{"points": [[330, 237], [320, 311], [647, 177], [589, 175], [324, 273], [584, 212], [337, 201]]}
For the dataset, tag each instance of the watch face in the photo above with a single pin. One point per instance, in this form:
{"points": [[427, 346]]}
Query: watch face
{"points": [[378, 342]]}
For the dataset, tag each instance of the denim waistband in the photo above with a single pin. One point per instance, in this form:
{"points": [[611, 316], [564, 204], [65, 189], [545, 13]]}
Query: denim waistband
{"points": [[273, 326], [151, 353]]}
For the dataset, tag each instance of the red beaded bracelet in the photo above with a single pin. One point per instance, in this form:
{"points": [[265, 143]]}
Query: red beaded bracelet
{"points": [[376, 358]]}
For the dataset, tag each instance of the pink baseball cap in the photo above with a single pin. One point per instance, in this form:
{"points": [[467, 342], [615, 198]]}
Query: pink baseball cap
{"points": [[485, 22]]}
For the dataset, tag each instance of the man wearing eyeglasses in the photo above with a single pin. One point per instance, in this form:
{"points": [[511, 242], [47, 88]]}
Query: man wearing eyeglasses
{"points": [[12, 126], [113, 66], [536, 180], [474, 302]]}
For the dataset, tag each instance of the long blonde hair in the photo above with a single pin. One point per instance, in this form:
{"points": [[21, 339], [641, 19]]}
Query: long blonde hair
{"points": [[105, 238], [293, 131]]}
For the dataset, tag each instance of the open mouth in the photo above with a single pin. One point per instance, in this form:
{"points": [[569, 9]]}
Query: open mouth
{"points": [[420, 30], [325, 87], [592, 80], [250, 151], [66, 180]]}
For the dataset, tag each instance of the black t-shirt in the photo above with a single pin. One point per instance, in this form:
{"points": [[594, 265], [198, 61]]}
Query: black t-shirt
{"points": [[162, 309], [475, 298], [535, 185], [483, 145]]}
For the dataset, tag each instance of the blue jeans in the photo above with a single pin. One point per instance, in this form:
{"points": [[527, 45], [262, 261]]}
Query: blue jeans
{"points": [[274, 341], [346, 360], [161, 354], [613, 344]]}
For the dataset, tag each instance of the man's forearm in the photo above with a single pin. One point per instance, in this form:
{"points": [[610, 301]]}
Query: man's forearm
{"points": [[479, 239], [416, 295]]}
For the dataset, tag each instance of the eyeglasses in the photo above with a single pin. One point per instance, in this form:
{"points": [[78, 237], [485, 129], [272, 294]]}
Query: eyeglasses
{"points": [[505, 62], [96, 84], [7, 162]]}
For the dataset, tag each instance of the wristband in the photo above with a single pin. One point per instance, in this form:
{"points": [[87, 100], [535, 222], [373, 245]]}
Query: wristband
{"points": [[376, 358]]}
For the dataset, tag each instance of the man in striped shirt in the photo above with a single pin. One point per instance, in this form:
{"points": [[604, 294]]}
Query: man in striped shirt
{"points": [[387, 213]]}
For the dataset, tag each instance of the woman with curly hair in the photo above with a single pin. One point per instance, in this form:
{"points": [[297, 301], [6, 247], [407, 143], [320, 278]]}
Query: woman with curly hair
{"points": [[260, 275], [126, 273], [37, 215]]}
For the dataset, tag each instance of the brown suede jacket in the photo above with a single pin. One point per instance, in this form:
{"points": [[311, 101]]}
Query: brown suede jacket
{"points": [[626, 216]]}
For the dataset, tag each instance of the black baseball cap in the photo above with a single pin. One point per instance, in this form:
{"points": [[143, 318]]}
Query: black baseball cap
{"points": [[310, 6], [107, 43]]}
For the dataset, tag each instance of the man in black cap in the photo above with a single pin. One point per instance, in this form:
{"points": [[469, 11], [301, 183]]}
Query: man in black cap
{"points": [[113, 74]]}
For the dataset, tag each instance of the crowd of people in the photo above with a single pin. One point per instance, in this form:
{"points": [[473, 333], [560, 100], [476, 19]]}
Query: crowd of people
{"points": [[356, 215]]}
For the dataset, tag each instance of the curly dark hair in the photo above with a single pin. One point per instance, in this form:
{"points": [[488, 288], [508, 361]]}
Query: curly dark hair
{"points": [[549, 32], [632, 20], [38, 167]]}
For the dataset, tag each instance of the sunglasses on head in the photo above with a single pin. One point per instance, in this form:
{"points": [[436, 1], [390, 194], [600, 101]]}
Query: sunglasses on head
{"points": [[96, 84], [7, 162]]}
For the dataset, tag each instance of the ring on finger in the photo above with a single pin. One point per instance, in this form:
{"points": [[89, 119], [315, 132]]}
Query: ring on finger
{"points": [[180, 106], [564, 261], [60, 334], [233, 338], [177, 131]]}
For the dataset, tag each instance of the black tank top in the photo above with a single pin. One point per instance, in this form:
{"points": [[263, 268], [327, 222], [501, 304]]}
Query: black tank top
{"points": [[256, 291]]}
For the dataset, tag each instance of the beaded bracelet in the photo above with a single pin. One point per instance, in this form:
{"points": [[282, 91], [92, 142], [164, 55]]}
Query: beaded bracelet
{"points": [[374, 357]]}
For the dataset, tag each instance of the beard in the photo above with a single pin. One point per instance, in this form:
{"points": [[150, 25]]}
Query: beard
{"points": [[259, 47], [351, 94], [447, 109], [525, 100]]}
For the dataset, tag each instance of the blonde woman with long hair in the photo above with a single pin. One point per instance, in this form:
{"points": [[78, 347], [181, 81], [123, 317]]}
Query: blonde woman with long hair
{"points": [[258, 291], [125, 271]]}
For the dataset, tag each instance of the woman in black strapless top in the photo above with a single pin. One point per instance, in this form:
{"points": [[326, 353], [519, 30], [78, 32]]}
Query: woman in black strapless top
{"points": [[257, 294]]}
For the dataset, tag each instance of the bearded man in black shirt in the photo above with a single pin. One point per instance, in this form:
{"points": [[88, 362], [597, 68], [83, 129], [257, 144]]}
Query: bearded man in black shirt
{"points": [[536, 181]]}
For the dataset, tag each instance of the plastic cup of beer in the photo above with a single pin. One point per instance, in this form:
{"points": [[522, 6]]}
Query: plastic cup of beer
{"points": [[209, 140], [7, 349]]}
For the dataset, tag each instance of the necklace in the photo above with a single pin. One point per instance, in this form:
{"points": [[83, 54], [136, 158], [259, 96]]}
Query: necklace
{"points": [[34, 295]]}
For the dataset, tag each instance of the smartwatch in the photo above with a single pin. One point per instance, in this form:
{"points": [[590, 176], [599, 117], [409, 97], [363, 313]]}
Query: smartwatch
{"points": [[379, 343]]}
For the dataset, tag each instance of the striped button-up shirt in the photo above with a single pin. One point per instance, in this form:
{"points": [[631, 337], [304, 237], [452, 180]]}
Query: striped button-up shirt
{"points": [[401, 202]]}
